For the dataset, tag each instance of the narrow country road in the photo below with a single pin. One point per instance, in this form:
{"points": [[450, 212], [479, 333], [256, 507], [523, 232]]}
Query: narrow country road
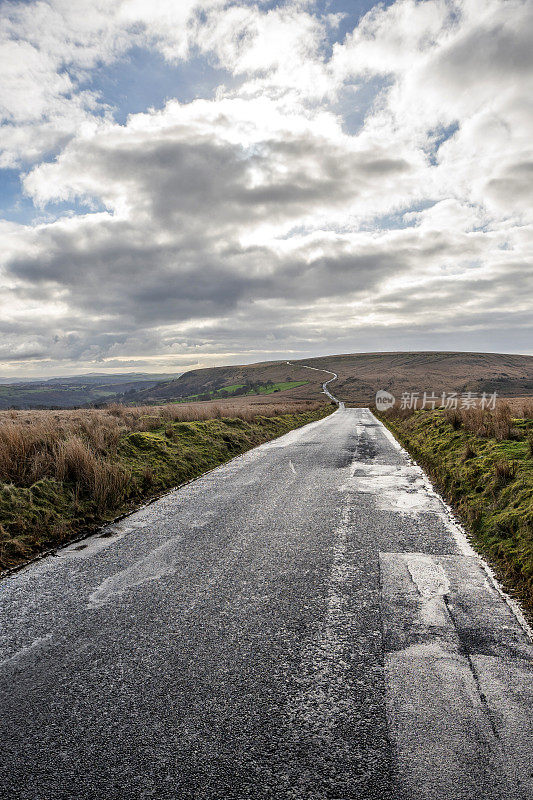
{"points": [[325, 389], [305, 622]]}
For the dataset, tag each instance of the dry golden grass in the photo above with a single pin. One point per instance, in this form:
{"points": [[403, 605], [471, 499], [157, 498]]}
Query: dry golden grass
{"points": [[496, 424], [520, 406], [75, 445]]}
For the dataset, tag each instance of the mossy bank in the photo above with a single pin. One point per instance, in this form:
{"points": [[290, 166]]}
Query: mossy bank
{"points": [[488, 479], [92, 491]]}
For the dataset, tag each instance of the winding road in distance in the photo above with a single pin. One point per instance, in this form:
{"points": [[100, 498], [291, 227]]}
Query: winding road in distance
{"points": [[306, 622], [325, 389]]}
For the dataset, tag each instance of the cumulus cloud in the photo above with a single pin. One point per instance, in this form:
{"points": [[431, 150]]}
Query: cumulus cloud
{"points": [[254, 220]]}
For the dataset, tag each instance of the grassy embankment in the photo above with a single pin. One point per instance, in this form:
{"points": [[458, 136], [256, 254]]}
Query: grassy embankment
{"points": [[65, 472], [482, 462]]}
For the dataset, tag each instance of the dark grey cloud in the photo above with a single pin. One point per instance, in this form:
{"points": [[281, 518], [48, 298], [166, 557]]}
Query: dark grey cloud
{"points": [[495, 51], [167, 284], [513, 185], [206, 183], [179, 256], [469, 302]]}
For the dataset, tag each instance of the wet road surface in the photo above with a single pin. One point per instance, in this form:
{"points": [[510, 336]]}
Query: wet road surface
{"points": [[305, 622]]}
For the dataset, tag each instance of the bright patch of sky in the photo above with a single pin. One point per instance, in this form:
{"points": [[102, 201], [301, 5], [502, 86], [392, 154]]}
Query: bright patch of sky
{"points": [[14, 206], [143, 79], [355, 101], [348, 13]]}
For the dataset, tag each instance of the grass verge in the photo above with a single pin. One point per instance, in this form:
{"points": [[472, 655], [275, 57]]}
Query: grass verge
{"points": [[63, 475], [483, 465]]}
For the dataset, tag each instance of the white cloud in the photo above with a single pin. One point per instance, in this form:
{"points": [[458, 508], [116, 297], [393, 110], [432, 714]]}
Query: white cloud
{"points": [[47, 52]]}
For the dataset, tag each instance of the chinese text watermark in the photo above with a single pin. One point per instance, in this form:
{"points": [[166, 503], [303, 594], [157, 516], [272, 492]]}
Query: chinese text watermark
{"points": [[429, 400]]}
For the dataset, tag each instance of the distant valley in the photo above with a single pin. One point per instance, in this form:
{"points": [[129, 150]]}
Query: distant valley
{"points": [[78, 390]]}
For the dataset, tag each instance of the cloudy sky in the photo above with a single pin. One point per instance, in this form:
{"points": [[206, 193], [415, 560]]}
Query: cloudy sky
{"points": [[220, 181]]}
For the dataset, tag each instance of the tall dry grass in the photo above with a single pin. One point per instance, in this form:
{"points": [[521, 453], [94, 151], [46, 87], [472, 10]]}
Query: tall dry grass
{"points": [[496, 424], [78, 446], [64, 471], [491, 424]]}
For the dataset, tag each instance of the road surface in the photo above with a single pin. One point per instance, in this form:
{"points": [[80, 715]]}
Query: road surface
{"points": [[305, 622]]}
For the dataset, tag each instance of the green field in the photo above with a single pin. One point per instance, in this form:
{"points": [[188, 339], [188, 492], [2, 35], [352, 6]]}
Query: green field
{"points": [[233, 390], [281, 387]]}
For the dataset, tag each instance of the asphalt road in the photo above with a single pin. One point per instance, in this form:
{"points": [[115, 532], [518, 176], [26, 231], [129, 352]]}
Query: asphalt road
{"points": [[304, 622]]}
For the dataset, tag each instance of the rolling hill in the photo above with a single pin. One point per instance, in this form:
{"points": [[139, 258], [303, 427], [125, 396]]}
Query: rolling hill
{"points": [[361, 375]]}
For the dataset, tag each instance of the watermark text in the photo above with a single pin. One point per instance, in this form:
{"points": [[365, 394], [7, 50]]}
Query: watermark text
{"points": [[430, 400]]}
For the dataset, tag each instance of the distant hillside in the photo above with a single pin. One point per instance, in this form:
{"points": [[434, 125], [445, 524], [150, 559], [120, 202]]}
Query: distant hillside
{"points": [[212, 380], [361, 375], [78, 390]]}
